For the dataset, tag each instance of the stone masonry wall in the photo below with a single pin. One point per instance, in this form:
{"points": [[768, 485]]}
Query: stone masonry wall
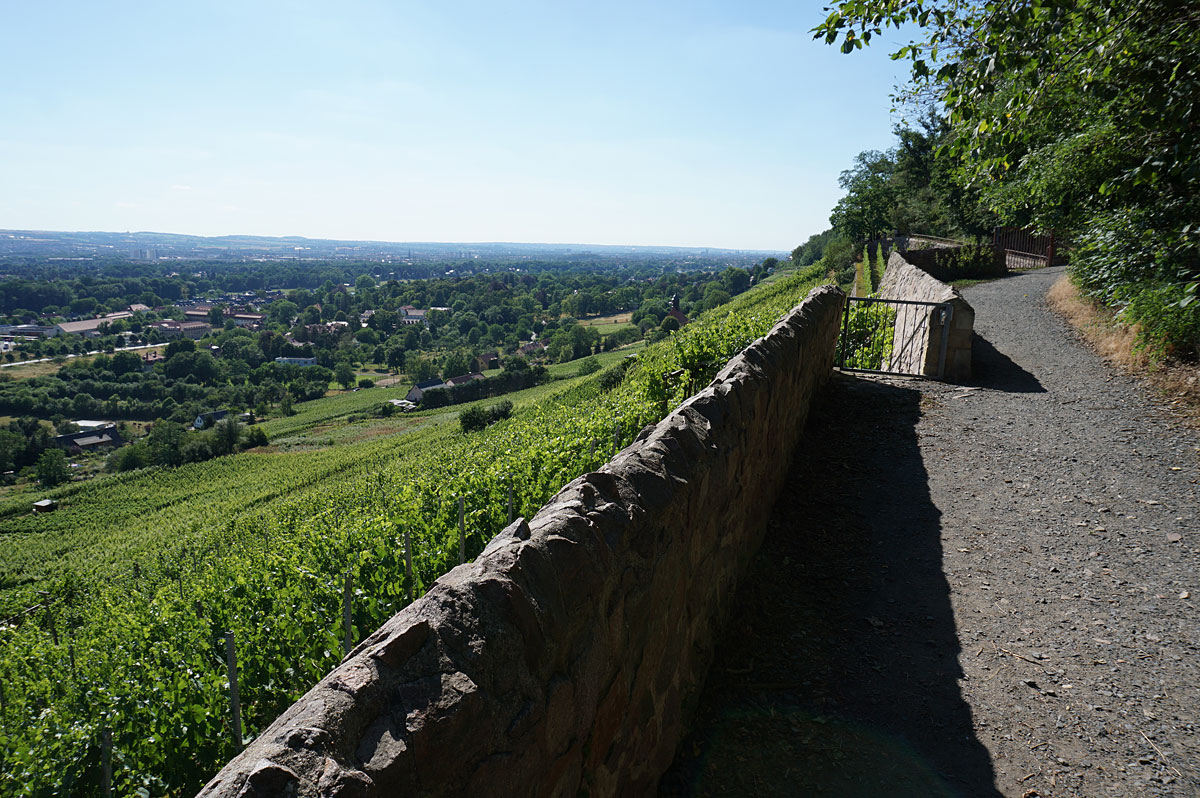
{"points": [[916, 346], [566, 659]]}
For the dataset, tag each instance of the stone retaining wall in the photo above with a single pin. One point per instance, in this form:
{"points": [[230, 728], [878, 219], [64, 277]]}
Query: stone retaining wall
{"points": [[917, 342], [566, 659]]}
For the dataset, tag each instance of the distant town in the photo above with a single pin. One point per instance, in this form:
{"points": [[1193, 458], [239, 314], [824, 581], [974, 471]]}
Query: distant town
{"points": [[154, 247]]}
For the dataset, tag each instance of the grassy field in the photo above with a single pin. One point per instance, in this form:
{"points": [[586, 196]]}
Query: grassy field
{"points": [[606, 359], [329, 409], [608, 324]]}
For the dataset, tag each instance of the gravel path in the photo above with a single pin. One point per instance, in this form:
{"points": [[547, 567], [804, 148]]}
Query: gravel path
{"points": [[979, 590]]}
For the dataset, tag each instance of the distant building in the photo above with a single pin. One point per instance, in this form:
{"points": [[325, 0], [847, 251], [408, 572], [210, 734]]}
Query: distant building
{"points": [[28, 331], [90, 328], [247, 319], [296, 361], [413, 315], [206, 420], [676, 313], [463, 379], [532, 348], [45, 506], [331, 327], [168, 328], [417, 391], [195, 329], [138, 307], [87, 439], [488, 360]]}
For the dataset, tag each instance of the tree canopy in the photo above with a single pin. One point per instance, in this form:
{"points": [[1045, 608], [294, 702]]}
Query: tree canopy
{"points": [[1079, 115]]}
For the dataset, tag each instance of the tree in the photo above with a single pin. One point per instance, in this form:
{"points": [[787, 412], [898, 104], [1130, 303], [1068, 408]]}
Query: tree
{"points": [[344, 374], [1070, 113], [128, 458], [734, 280], [52, 467], [865, 212], [455, 364], [418, 367], [281, 312], [126, 363], [12, 445], [164, 443], [225, 436]]}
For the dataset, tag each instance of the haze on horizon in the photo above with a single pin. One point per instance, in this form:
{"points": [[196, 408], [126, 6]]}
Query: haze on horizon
{"points": [[699, 125]]}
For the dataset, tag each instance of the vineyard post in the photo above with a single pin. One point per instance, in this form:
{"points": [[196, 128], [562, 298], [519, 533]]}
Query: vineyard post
{"points": [[347, 597], [592, 453], [106, 763], [53, 628], [71, 649], [616, 438], [462, 531], [408, 564], [235, 704], [3, 703], [510, 498]]}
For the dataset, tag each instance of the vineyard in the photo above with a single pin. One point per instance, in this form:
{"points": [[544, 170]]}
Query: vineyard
{"points": [[129, 645]]}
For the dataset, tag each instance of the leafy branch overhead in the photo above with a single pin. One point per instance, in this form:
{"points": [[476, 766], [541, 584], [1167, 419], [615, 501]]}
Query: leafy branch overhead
{"points": [[1081, 115]]}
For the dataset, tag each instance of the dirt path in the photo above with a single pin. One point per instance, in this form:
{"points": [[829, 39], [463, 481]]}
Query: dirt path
{"points": [[970, 591]]}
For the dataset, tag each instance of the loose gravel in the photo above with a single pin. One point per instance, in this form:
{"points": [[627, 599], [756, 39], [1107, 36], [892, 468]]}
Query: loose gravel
{"points": [[987, 589]]}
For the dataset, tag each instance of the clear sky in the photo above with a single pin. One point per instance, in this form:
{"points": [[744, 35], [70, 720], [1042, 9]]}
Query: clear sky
{"points": [[691, 123]]}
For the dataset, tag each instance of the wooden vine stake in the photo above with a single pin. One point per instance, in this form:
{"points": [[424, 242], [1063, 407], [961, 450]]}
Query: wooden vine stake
{"points": [[510, 499], [408, 564], [235, 704], [462, 531], [106, 763], [347, 598]]}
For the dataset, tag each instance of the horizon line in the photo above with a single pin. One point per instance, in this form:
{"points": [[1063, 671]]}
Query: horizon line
{"points": [[396, 242]]}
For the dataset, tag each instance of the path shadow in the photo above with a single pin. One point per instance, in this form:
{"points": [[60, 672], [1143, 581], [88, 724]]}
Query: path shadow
{"points": [[991, 368], [839, 672]]}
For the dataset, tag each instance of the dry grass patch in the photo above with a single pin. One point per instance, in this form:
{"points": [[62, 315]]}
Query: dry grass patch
{"points": [[1115, 341], [1178, 383]]}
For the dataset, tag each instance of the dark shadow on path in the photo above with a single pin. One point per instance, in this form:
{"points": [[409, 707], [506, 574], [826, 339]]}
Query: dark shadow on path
{"points": [[991, 368], [839, 675]]}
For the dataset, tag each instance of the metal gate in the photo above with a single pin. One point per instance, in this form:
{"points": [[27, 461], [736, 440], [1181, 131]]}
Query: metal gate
{"points": [[894, 336]]}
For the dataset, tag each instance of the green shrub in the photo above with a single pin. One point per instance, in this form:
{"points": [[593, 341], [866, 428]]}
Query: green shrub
{"points": [[589, 365], [477, 417], [1166, 326], [254, 436]]}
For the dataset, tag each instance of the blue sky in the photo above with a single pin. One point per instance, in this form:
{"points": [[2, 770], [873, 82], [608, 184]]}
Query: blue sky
{"points": [[692, 124]]}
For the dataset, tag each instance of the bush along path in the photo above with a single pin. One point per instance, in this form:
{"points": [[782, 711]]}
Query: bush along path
{"points": [[971, 590]]}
